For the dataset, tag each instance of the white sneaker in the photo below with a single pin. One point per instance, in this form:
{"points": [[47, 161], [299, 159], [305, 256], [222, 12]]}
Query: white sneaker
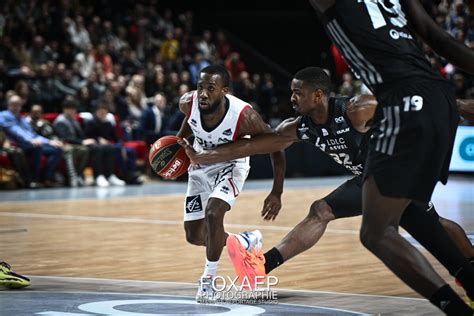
{"points": [[251, 240], [205, 293], [101, 181], [113, 180]]}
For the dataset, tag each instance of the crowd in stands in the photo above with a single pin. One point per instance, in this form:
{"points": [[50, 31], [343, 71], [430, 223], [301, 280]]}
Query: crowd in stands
{"points": [[113, 74]]}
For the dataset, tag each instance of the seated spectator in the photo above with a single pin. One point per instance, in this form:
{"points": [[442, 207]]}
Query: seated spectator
{"points": [[101, 155], [135, 106], [18, 161], [153, 120], [33, 144], [100, 129]]}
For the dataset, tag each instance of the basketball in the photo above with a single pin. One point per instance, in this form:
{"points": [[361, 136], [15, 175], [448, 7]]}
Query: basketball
{"points": [[167, 158]]}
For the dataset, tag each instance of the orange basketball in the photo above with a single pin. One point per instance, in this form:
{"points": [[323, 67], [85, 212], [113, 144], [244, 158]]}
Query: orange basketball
{"points": [[167, 158]]}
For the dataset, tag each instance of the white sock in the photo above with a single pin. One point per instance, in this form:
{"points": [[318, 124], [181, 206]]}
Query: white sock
{"points": [[210, 268]]}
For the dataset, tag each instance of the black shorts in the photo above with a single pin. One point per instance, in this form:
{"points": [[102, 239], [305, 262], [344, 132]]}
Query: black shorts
{"points": [[413, 139], [346, 200]]}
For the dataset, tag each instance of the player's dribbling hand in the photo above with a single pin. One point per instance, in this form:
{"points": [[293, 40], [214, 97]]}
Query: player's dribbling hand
{"points": [[271, 207], [190, 152]]}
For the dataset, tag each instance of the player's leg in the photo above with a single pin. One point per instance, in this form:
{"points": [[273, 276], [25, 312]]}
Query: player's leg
{"points": [[216, 236], [195, 203], [458, 235], [436, 238], [196, 232], [345, 201], [379, 234]]}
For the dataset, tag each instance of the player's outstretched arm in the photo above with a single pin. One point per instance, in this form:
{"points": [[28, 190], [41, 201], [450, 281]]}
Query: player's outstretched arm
{"points": [[185, 103], [441, 42], [360, 111], [278, 140]]}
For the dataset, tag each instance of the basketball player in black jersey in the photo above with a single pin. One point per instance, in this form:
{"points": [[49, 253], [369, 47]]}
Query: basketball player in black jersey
{"points": [[340, 128], [415, 125]]}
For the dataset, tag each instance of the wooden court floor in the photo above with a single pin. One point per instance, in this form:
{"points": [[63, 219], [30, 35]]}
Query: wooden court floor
{"points": [[141, 238]]}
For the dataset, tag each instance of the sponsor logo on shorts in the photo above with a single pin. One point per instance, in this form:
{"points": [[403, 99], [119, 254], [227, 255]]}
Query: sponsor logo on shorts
{"points": [[193, 204], [193, 122], [225, 189], [223, 140], [227, 132]]}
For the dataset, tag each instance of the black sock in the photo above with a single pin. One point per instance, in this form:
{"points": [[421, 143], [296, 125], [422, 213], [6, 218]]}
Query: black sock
{"points": [[273, 259], [449, 302], [465, 275]]}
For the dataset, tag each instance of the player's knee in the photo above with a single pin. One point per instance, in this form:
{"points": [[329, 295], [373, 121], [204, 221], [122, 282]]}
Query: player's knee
{"points": [[214, 217], [194, 237], [374, 238], [320, 211]]}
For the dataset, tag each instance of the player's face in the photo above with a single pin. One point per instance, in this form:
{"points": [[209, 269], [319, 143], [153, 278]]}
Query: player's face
{"points": [[210, 91], [302, 97]]}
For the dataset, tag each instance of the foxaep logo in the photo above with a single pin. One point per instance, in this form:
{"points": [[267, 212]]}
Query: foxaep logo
{"points": [[255, 291]]}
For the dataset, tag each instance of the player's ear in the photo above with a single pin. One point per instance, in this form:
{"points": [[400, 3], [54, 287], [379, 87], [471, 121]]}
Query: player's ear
{"points": [[225, 90], [318, 95]]}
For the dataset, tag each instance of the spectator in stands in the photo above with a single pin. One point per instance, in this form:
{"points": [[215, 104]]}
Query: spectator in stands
{"points": [[194, 68], [78, 33], [100, 129], [154, 120], [349, 86], [17, 159], [23, 91], [76, 157], [70, 131], [169, 51], [222, 45], [206, 46], [234, 65], [33, 144], [101, 56], [86, 61]]}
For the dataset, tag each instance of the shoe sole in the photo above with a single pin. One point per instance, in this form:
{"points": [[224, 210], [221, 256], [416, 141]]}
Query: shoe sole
{"points": [[236, 251]]}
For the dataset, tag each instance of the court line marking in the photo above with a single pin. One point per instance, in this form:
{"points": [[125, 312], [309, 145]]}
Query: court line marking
{"points": [[189, 298], [193, 286], [155, 221]]}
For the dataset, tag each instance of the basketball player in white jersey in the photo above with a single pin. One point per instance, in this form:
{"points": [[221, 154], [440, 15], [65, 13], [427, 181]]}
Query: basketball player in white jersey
{"points": [[215, 118]]}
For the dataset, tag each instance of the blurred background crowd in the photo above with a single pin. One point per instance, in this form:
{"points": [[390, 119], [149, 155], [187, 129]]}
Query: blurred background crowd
{"points": [[93, 83]]}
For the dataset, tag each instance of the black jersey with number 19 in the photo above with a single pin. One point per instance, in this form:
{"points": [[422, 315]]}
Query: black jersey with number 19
{"points": [[376, 42]]}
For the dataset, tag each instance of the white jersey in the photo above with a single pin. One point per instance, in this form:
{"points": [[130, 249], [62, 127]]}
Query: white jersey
{"points": [[225, 132]]}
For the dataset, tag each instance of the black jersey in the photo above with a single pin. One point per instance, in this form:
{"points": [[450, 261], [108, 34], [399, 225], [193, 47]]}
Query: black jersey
{"points": [[376, 42], [337, 137]]}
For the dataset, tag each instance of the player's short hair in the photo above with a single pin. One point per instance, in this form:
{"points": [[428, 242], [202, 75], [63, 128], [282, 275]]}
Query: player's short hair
{"points": [[315, 77], [218, 70]]}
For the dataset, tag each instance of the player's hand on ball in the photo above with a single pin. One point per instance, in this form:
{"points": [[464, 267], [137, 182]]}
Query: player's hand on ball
{"points": [[271, 206], [190, 152]]}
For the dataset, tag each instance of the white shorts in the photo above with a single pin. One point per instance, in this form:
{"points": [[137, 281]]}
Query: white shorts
{"points": [[222, 181]]}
